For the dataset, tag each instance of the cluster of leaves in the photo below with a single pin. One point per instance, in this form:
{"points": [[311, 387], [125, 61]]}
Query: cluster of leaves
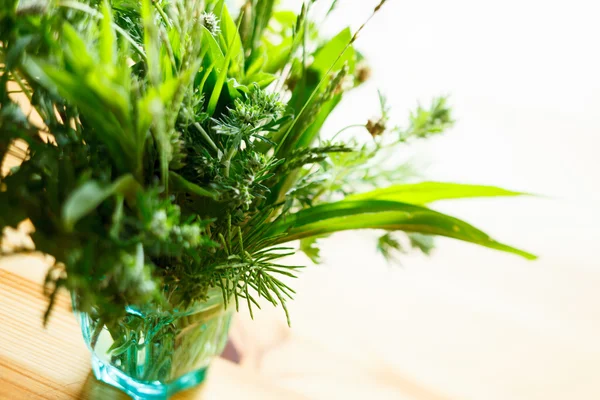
{"points": [[168, 162]]}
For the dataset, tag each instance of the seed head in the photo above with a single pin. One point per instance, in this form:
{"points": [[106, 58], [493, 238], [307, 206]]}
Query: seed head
{"points": [[210, 22]]}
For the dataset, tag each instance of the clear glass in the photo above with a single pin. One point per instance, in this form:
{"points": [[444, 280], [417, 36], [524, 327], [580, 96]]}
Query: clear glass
{"points": [[152, 354]]}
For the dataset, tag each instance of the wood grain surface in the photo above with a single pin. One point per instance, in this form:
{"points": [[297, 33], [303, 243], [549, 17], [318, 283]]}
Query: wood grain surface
{"points": [[53, 362]]}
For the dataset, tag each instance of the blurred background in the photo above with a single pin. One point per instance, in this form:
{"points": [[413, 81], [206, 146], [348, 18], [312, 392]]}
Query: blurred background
{"points": [[465, 323]]}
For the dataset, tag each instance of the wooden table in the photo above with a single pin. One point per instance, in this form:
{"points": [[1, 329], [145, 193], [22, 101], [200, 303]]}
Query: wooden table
{"points": [[53, 363]]}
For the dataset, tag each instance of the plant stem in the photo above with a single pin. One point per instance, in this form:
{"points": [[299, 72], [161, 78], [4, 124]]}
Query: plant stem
{"points": [[164, 16], [206, 136], [346, 128], [227, 162]]}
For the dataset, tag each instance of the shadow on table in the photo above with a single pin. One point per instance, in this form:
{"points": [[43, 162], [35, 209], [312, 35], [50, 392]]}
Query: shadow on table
{"points": [[93, 389]]}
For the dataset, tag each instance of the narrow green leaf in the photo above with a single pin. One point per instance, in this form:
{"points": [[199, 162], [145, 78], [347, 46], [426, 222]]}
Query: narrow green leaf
{"points": [[151, 42], [263, 10], [262, 79], [211, 48], [216, 93], [381, 214], [107, 36], [107, 117], [309, 134], [144, 117], [230, 41], [277, 55], [204, 77], [90, 195], [427, 192], [328, 57], [75, 5], [76, 50]]}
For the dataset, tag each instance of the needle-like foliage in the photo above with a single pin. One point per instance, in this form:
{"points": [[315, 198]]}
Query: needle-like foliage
{"points": [[168, 148]]}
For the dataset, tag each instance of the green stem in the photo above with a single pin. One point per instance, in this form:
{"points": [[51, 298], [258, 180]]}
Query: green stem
{"points": [[346, 128], [162, 14], [227, 162], [206, 136]]}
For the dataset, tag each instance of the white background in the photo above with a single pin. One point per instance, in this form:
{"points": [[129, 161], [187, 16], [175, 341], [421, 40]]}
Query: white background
{"points": [[471, 323]]}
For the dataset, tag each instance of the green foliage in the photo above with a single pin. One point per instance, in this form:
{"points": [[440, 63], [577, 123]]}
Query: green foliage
{"points": [[381, 214], [425, 123], [90, 195], [309, 246], [185, 148], [428, 192]]}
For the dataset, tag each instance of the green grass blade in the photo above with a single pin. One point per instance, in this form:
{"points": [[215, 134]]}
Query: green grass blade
{"points": [[216, 93], [75, 5], [230, 41], [428, 192], [381, 214], [288, 137], [107, 37]]}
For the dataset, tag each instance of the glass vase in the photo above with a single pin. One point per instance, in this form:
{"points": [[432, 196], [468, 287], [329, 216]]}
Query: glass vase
{"points": [[152, 354]]}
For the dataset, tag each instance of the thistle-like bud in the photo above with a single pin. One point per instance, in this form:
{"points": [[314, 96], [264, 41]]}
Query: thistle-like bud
{"points": [[210, 22]]}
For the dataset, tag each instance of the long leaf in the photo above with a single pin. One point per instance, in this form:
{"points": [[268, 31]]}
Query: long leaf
{"points": [[428, 192], [107, 36], [264, 11], [216, 94], [91, 194], [230, 41], [382, 214], [328, 60], [94, 108], [160, 129]]}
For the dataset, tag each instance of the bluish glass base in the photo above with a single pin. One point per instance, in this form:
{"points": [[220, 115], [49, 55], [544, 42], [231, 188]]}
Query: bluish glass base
{"points": [[145, 390]]}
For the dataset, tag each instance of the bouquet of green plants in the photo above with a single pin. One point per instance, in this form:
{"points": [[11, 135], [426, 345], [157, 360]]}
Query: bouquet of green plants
{"points": [[175, 147]]}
